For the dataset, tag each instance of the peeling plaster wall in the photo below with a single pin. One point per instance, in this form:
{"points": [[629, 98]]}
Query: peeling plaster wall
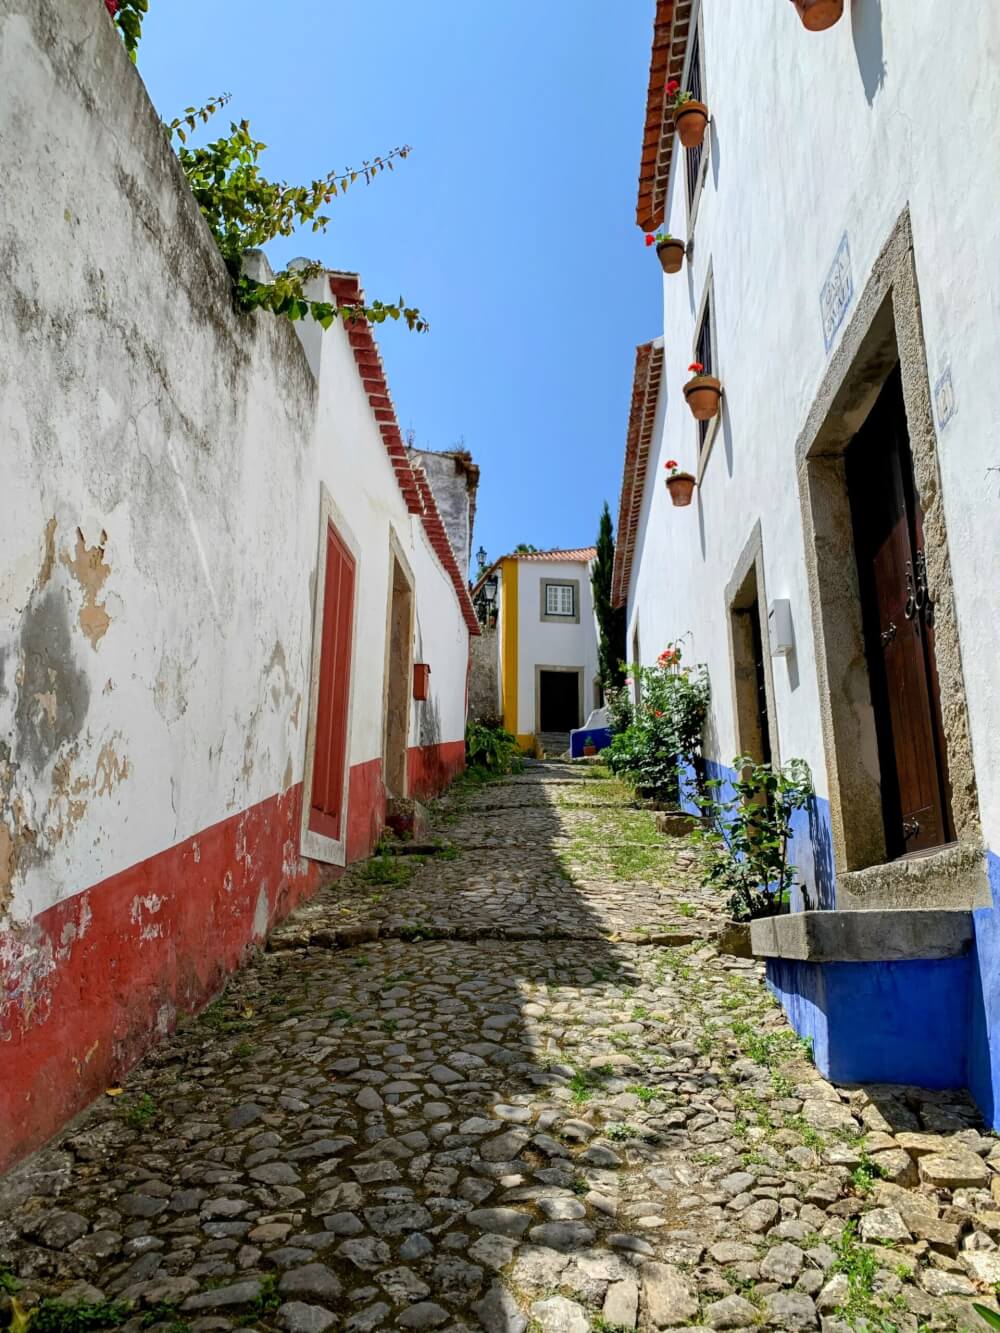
{"points": [[163, 456], [815, 136]]}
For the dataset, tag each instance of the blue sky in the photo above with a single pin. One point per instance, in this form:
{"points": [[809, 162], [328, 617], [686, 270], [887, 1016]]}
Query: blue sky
{"points": [[511, 225]]}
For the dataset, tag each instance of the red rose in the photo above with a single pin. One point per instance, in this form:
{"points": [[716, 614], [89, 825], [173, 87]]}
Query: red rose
{"points": [[650, 238], [696, 366]]}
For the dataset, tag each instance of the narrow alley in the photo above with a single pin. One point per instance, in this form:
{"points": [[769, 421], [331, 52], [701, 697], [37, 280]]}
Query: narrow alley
{"points": [[510, 1084]]}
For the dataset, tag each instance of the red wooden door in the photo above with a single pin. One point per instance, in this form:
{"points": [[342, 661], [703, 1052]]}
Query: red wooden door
{"points": [[334, 690], [898, 618]]}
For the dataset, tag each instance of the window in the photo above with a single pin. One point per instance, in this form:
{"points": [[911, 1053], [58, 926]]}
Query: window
{"points": [[560, 601], [695, 86], [703, 352]]}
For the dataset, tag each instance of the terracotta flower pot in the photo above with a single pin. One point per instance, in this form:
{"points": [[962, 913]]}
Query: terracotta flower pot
{"points": [[691, 120], [816, 15], [681, 487], [671, 254], [589, 750], [703, 393]]}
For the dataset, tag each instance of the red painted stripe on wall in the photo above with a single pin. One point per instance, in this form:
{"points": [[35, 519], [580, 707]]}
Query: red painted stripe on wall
{"points": [[430, 768], [93, 982]]}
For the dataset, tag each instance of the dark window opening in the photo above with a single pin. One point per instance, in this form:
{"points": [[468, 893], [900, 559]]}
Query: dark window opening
{"points": [[703, 353], [694, 87]]}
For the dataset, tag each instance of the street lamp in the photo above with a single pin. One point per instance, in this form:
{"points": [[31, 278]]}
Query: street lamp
{"points": [[481, 558]]}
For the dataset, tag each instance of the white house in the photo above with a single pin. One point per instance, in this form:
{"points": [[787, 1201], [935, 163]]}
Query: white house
{"points": [[837, 565], [232, 626], [546, 642]]}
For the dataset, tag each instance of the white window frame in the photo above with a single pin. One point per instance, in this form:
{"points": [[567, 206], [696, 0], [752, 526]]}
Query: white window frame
{"points": [[560, 617]]}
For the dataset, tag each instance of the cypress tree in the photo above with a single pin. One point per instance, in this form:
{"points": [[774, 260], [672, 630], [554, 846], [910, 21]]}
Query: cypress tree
{"points": [[610, 620]]}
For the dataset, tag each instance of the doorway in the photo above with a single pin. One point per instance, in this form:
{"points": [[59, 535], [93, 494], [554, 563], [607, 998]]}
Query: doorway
{"points": [[399, 669], [753, 721], [897, 610], [559, 692]]}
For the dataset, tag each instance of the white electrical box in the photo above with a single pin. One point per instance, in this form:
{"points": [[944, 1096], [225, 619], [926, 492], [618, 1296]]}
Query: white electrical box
{"points": [[779, 625]]}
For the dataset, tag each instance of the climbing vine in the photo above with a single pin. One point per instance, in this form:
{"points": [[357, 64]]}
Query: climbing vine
{"points": [[244, 210], [127, 16]]}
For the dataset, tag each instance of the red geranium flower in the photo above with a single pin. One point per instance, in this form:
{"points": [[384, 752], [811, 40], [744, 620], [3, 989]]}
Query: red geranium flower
{"points": [[671, 462], [696, 366], [658, 713], [672, 87], [111, 6], [650, 238]]}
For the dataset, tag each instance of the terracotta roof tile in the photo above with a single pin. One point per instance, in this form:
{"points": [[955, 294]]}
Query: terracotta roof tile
{"points": [[642, 416], [572, 553], [413, 485], [670, 34]]}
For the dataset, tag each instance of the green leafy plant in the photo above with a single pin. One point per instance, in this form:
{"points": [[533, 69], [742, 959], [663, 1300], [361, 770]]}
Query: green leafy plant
{"points": [[384, 868], [53, 1316], [610, 618], [745, 833], [987, 1315], [127, 16], [488, 746], [664, 732], [244, 210], [140, 1112]]}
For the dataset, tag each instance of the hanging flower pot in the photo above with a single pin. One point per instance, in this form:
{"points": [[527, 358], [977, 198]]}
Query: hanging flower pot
{"points": [[702, 393], [817, 15], [690, 115], [669, 250], [679, 484]]}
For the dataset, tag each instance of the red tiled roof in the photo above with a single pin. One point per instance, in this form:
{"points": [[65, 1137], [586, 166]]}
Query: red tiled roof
{"points": [[573, 553], [670, 35], [346, 290], [645, 393]]}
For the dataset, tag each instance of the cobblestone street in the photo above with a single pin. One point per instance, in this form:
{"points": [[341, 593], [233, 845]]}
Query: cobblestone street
{"points": [[508, 1086]]}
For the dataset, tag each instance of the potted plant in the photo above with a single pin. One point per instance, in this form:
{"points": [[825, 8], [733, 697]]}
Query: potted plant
{"points": [[690, 115], [744, 840], [589, 748], [702, 393], [680, 484], [817, 15], [670, 250]]}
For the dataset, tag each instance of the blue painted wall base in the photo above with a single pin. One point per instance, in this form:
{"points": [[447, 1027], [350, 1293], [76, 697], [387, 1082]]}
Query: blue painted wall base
{"points": [[601, 737], [900, 1022]]}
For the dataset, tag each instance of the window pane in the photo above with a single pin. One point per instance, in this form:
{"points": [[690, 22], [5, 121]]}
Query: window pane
{"points": [[559, 599]]}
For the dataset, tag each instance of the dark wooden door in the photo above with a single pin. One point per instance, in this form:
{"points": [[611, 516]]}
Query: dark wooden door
{"points": [[327, 801], [898, 613], [559, 700]]}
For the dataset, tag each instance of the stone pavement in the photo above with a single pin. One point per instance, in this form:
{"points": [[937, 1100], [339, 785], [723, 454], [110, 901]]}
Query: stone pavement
{"points": [[510, 1086]]}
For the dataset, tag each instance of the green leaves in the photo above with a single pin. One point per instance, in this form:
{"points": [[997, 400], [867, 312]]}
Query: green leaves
{"points": [[745, 830], [192, 115], [244, 210], [128, 20]]}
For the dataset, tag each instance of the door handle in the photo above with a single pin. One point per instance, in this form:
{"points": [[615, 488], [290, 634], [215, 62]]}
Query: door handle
{"points": [[888, 635], [911, 827]]}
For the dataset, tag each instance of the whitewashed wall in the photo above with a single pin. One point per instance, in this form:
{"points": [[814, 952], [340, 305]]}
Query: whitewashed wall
{"points": [[135, 402], [815, 136], [544, 643]]}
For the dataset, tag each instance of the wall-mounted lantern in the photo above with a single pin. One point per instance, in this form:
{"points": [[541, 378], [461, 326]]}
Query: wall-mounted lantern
{"points": [[421, 680]]}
